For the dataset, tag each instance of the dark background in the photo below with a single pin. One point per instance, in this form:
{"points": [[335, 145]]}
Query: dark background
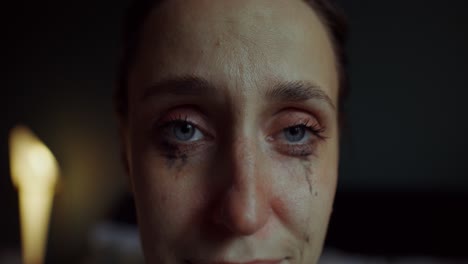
{"points": [[403, 187]]}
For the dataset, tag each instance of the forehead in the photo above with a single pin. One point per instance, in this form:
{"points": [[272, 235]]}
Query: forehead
{"points": [[242, 45]]}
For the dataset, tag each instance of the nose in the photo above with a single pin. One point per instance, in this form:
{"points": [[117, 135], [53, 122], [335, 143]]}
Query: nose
{"points": [[244, 208]]}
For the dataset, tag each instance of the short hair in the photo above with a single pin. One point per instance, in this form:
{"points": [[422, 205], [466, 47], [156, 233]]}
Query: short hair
{"points": [[137, 13]]}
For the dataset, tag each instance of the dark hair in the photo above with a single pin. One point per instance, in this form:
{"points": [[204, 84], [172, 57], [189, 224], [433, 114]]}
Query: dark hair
{"points": [[331, 16]]}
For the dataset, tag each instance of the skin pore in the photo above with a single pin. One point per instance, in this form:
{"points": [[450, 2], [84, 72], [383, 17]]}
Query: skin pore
{"points": [[231, 138]]}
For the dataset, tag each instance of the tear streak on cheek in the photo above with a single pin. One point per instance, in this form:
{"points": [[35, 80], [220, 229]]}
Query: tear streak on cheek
{"points": [[173, 156], [308, 174]]}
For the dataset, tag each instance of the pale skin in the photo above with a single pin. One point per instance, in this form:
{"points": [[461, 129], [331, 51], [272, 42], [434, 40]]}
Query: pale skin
{"points": [[231, 138]]}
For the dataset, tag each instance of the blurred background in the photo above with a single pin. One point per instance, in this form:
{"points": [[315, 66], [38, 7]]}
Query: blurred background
{"points": [[403, 186]]}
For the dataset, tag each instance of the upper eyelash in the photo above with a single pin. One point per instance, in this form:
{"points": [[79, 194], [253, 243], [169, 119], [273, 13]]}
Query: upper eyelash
{"points": [[176, 119], [179, 118], [184, 119], [315, 128], [161, 127]]}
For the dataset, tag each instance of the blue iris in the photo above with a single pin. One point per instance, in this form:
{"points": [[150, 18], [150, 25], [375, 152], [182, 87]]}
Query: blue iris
{"points": [[294, 133], [183, 131]]}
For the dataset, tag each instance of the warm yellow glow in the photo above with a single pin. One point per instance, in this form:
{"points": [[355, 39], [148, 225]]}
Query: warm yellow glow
{"points": [[34, 172]]}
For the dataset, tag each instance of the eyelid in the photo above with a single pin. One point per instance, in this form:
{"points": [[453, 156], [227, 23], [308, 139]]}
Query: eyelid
{"points": [[289, 118], [168, 131], [190, 115]]}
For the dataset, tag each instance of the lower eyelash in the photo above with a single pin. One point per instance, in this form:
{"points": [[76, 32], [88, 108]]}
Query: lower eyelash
{"points": [[177, 149]]}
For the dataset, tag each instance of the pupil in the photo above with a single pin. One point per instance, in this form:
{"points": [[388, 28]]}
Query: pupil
{"points": [[294, 130], [294, 134], [183, 131], [186, 128]]}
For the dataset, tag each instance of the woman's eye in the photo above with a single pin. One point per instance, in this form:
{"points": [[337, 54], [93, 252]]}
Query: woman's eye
{"points": [[296, 134], [185, 131]]}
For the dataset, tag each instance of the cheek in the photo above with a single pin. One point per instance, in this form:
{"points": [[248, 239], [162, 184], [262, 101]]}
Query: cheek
{"points": [[303, 194], [292, 201], [168, 195], [327, 174]]}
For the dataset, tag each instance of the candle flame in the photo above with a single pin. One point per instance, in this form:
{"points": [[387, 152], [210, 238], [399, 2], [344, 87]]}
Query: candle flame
{"points": [[34, 171]]}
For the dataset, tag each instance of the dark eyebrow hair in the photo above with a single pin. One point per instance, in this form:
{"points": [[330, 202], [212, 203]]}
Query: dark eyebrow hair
{"points": [[181, 86], [298, 91]]}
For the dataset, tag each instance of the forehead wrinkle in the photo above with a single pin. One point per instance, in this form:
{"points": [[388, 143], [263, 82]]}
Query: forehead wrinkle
{"points": [[240, 58], [242, 47], [247, 52]]}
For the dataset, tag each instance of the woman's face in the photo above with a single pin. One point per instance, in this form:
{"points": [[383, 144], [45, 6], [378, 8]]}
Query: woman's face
{"points": [[232, 138]]}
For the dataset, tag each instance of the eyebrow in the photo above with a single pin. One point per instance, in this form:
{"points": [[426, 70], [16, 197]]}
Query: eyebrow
{"points": [[180, 86], [290, 91], [296, 91]]}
